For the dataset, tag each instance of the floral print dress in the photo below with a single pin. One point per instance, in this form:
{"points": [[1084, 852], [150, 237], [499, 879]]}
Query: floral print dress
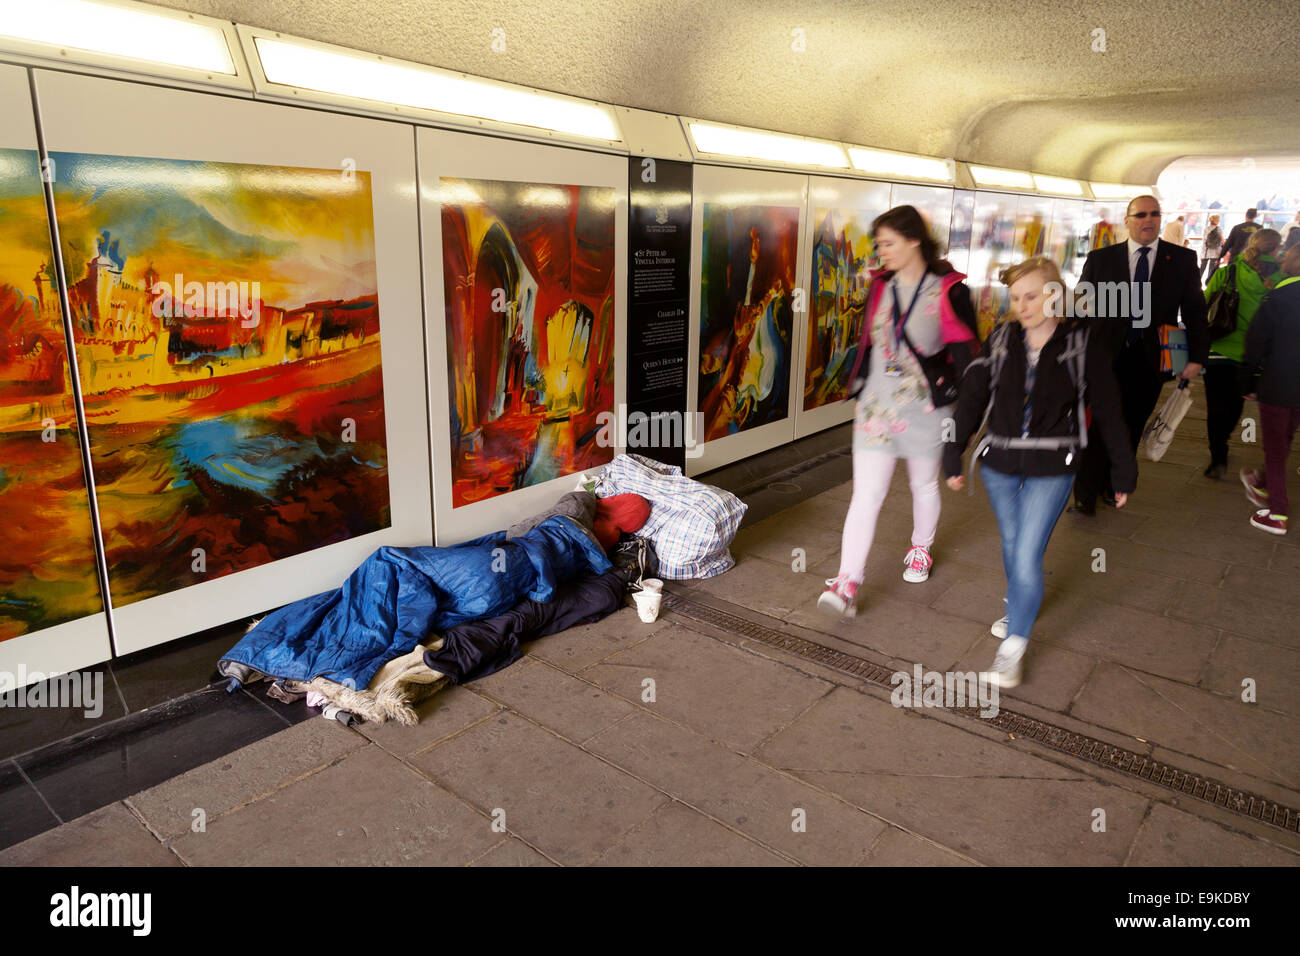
{"points": [[894, 413]]}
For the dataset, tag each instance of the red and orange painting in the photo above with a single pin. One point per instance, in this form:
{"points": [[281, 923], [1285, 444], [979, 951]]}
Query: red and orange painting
{"points": [[226, 322], [47, 548], [528, 271], [746, 315]]}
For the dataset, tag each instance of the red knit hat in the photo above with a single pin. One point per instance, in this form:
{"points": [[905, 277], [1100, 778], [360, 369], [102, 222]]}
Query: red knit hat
{"points": [[619, 513]]}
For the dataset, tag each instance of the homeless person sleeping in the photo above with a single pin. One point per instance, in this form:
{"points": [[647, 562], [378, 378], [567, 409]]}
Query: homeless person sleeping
{"points": [[408, 621]]}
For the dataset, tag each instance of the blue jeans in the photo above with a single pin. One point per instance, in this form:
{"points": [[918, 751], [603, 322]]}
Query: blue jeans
{"points": [[1027, 510]]}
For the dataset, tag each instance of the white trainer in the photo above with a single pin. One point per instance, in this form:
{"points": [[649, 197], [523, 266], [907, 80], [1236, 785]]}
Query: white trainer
{"points": [[1006, 665], [999, 628], [918, 564]]}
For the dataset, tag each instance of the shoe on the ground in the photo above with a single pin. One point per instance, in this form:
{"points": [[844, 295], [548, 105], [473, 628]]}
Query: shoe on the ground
{"points": [[1086, 508], [1006, 665], [999, 628], [1273, 524], [1215, 470], [1256, 493], [1109, 498], [918, 564], [839, 597]]}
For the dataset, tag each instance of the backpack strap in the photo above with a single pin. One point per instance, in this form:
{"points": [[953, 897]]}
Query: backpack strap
{"points": [[996, 359], [1075, 358]]}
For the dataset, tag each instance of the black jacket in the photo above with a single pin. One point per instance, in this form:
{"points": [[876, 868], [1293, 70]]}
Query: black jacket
{"points": [[1053, 410], [1175, 287], [1273, 341]]}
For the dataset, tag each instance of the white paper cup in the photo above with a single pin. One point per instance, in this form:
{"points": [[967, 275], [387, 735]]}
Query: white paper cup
{"points": [[647, 604], [651, 584]]}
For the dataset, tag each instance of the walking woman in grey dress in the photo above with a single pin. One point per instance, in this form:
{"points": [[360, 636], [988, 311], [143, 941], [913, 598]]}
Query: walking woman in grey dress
{"points": [[918, 337]]}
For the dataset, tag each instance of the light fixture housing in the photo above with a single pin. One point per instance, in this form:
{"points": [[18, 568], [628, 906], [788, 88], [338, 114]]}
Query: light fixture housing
{"points": [[880, 162], [291, 69], [763, 147], [1005, 178], [1058, 185], [1119, 191], [121, 37]]}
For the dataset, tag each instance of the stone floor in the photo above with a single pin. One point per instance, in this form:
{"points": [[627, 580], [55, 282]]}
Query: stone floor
{"points": [[679, 743]]}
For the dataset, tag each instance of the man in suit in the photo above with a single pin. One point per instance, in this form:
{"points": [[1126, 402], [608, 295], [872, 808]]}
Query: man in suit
{"points": [[1164, 280]]}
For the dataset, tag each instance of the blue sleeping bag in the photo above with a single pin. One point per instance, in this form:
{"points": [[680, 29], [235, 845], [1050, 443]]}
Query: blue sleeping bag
{"points": [[399, 597]]}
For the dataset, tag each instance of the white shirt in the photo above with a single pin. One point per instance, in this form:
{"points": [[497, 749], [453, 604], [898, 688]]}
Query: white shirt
{"points": [[1174, 233], [1133, 248]]}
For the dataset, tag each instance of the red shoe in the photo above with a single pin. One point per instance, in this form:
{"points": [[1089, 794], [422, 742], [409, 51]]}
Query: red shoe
{"points": [[918, 564], [1273, 524]]}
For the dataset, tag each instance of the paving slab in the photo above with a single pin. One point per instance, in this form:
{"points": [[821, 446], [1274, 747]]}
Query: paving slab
{"points": [[1274, 669], [562, 800], [110, 836], [369, 809], [1267, 621], [1051, 676], [241, 777], [572, 708], [676, 835], [899, 848], [744, 793], [1171, 837], [766, 586], [1219, 729], [984, 799], [736, 697], [512, 852]]}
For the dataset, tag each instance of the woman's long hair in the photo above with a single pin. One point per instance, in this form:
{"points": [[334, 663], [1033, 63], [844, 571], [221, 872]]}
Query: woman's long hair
{"points": [[908, 223], [1263, 242]]}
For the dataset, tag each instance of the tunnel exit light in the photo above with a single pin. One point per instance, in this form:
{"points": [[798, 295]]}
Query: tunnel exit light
{"points": [[309, 66], [116, 30], [773, 147], [1117, 191]]}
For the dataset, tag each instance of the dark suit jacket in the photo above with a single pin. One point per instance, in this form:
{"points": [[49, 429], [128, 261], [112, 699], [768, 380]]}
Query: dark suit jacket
{"points": [[1175, 287]]}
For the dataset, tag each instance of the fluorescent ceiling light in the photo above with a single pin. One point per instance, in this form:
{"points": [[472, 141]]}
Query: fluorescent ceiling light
{"points": [[753, 144], [1055, 184], [1014, 179], [118, 31], [1117, 191], [311, 67], [885, 163]]}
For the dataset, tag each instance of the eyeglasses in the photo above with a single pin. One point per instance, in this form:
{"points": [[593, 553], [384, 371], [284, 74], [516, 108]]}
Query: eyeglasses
{"points": [[1143, 215]]}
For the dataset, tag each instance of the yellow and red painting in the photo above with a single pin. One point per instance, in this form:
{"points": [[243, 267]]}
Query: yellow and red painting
{"points": [[842, 260], [528, 271], [746, 315], [226, 323], [47, 550]]}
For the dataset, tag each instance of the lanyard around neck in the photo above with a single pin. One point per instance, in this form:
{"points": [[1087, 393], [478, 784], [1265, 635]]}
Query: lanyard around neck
{"points": [[900, 318]]}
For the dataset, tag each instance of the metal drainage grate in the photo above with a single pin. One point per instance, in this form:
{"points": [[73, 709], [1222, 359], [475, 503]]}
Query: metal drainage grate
{"points": [[1049, 735]]}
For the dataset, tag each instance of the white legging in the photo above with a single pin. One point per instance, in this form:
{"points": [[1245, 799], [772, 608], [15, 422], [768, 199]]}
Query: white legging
{"points": [[872, 471]]}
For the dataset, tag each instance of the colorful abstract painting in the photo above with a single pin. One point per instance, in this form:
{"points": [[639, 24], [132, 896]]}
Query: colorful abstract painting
{"points": [[992, 250], [47, 551], [226, 320], [529, 274], [842, 260], [746, 315]]}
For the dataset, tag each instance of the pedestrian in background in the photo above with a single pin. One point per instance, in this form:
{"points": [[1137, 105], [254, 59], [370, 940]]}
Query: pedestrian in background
{"points": [[1255, 273], [1270, 373], [1240, 235], [1212, 248]]}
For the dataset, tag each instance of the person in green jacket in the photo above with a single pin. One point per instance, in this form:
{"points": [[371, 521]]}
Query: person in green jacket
{"points": [[1256, 272]]}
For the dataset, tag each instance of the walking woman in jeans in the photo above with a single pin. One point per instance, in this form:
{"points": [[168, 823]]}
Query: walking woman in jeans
{"points": [[917, 338], [1030, 386]]}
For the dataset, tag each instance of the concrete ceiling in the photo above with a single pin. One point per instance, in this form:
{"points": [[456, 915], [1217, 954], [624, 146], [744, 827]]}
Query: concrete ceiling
{"points": [[1014, 83]]}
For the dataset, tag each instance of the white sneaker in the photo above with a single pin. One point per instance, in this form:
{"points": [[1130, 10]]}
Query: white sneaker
{"points": [[1006, 666], [999, 628], [918, 563]]}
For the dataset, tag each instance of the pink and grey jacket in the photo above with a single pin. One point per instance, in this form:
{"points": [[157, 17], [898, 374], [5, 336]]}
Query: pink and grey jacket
{"points": [[957, 322]]}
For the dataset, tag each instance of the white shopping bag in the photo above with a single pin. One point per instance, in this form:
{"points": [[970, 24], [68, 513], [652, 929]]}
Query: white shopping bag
{"points": [[1160, 430]]}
